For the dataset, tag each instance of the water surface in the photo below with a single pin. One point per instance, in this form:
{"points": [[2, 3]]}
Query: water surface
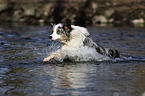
{"points": [[22, 72]]}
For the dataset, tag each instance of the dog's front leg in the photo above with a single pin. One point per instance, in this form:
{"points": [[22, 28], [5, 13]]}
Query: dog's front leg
{"points": [[52, 56], [49, 58]]}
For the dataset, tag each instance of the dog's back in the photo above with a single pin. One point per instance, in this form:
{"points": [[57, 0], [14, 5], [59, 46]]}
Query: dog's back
{"points": [[83, 30]]}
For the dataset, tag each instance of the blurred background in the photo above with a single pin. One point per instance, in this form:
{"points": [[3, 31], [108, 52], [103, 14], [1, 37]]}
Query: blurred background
{"points": [[79, 12]]}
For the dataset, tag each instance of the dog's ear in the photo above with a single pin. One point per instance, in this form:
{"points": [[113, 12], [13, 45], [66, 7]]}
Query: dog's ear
{"points": [[52, 25], [67, 27]]}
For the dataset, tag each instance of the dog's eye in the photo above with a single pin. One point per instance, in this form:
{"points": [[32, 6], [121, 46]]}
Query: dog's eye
{"points": [[58, 32]]}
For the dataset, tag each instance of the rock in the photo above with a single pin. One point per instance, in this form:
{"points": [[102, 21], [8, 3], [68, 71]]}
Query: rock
{"points": [[111, 20], [79, 12], [108, 12], [18, 13], [99, 19], [138, 21], [2, 6], [94, 7], [29, 9], [47, 9]]}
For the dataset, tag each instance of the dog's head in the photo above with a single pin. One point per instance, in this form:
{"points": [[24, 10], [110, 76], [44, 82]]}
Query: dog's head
{"points": [[61, 32]]}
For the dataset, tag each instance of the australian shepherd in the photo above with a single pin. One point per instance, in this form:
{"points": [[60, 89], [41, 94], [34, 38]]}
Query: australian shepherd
{"points": [[72, 38]]}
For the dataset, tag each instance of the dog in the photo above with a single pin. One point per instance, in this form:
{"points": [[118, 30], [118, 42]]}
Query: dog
{"points": [[72, 38]]}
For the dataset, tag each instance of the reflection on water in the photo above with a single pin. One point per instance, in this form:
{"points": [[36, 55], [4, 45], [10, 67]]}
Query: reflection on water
{"points": [[95, 79], [22, 72]]}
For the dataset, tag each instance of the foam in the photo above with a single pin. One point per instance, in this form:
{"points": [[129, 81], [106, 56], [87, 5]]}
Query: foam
{"points": [[84, 53]]}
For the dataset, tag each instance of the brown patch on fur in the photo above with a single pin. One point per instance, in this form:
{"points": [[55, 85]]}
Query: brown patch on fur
{"points": [[64, 37]]}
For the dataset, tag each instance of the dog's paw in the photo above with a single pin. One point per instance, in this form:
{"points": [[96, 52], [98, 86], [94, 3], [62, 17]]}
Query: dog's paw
{"points": [[46, 59]]}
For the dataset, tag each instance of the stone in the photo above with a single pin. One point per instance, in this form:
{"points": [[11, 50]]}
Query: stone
{"points": [[99, 19], [138, 21], [108, 12]]}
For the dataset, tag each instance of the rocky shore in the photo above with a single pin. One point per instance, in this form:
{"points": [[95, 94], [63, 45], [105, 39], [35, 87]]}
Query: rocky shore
{"points": [[80, 12]]}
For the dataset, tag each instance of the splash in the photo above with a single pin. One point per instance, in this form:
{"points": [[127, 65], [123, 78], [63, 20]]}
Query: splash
{"points": [[84, 53]]}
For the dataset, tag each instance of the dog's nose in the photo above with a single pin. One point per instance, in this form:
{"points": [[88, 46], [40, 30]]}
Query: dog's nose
{"points": [[50, 37]]}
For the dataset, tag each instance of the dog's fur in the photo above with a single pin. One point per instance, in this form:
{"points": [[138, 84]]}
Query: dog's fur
{"points": [[73, 37]]}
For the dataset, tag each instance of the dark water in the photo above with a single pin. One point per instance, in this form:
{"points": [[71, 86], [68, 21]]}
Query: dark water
{"points": [[22, 72]]}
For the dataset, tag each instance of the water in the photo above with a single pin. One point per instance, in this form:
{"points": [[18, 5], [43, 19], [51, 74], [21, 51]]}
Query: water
{"points": [[22, 72]]}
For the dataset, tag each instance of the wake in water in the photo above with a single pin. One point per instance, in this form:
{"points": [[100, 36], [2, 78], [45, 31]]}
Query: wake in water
{"points": [[86, 53], [127, 58]]}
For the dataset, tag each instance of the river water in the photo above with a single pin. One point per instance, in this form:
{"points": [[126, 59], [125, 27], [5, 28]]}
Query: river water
{"points": [[22, 72]]}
